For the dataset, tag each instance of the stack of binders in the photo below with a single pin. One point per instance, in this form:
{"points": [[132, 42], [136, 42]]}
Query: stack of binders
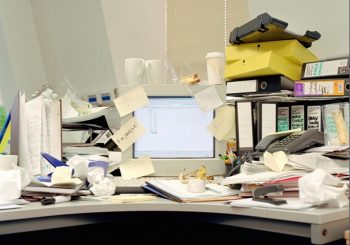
{"points": [[324, 78], [264, 58]]}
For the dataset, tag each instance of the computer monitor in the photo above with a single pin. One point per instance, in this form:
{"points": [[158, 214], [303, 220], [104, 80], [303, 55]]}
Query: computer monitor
{"points": [[177, 137]]}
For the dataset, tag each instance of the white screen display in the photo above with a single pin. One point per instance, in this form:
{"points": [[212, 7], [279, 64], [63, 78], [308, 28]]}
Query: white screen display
{"points": [[176, 128]]}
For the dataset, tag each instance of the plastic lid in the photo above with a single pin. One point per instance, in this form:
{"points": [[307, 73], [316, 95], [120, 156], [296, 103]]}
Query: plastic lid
{"points": [[215, 55]]}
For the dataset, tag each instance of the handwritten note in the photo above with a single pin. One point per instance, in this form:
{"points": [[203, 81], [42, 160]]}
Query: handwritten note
{"points": [[282, 119], [128, 133], [132, 100], [136, 168], [223, 123], [297, 117], [208, 99], [314, 117]]}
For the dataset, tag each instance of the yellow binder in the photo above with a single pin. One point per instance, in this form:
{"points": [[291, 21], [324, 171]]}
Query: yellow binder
{"points": [[267, 58]]}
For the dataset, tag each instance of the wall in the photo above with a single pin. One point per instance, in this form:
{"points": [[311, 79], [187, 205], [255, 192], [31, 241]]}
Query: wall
{"points": [[21, 64], [330, 18], [135, 28], [74, 43]]}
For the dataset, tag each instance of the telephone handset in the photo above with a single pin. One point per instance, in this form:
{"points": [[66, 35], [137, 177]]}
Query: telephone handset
{"points": [[291, 143]]}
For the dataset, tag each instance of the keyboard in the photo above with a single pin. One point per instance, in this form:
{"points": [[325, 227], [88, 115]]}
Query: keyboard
{"points": [[135, 185], [132, 185]]}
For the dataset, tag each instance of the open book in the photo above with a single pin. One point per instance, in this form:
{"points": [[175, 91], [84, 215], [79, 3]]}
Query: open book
{"points": [[177, 191]]}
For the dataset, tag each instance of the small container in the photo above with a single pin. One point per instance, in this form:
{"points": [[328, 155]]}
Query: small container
{"points": [[215, 67], [196, 185]]}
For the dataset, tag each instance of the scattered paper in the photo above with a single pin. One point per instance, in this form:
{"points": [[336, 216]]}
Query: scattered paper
{"points": [[128, 133], [135, 168], [68, 110], [319, 187], [63, 175], [130, 101], [223, 123], [126, 198], [275, 161], [208, 99], [10, 185], [80, 166]]}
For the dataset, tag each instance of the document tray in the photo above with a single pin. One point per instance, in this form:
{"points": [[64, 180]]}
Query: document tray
{"points": [[266, 28]]}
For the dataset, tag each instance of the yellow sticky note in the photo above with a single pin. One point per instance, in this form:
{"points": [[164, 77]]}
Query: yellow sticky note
{"points": [[136, 168], [129, 133], [130, 101]]}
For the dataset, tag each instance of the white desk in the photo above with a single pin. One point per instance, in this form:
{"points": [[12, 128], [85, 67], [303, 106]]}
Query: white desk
{"points": [[321, 225]]}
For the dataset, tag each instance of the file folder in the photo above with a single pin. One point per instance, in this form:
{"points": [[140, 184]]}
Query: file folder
{"points": [[289, 49], [244, 126], [326, 68], [321, 87], [264, 64], [266, 84], [266, 119]]}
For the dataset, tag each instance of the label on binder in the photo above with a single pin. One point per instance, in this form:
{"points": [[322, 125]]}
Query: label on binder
{"points": [[321, 88]]}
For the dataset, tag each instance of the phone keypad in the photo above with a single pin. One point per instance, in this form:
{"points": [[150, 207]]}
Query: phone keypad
{"points": [[286, 140]]}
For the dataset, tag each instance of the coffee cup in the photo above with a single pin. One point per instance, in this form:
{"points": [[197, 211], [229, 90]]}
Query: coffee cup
{"points": [[134, 70], [215, 67], [154, 70]]}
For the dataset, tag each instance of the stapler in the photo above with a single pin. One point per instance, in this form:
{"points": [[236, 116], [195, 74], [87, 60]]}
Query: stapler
{"points": [[260, 194]]}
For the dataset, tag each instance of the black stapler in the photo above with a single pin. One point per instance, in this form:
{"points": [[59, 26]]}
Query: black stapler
{"points": [[260, 194]]}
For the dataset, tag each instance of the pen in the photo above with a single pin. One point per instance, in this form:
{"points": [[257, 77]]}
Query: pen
{"points": [[55, 199]]}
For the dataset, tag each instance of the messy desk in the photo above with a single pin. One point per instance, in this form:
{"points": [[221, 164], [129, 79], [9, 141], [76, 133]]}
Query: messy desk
{"points": [[321, 225]]}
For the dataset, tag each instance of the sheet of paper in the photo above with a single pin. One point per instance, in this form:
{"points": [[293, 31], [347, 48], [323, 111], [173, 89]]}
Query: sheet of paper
{"points": [[67, 109], [128, 134], [10, 185], [131, 101], [34, 118], [136, 168], [208, 99], [23, 142], [62, 175], [222, 123]]}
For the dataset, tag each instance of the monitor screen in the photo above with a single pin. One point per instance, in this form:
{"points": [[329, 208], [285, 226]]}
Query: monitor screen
{"points": [[176, 128], [177, 137]]}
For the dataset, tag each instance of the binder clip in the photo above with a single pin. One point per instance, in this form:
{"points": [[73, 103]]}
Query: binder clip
{"points": [[261, 194]]}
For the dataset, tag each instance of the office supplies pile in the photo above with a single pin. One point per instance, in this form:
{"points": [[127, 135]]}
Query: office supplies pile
{"points": [[265, 58], [35, 127], [293, 136]]}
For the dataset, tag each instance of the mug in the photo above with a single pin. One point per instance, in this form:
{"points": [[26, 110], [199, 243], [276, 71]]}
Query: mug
{"points": [[154, 71], [134, 69]]}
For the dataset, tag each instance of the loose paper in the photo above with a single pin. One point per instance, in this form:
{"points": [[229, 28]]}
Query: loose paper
{"points": [[208, 99], [136, 168], [222, 123], [129, 133], [131, 101], [275, 161], [63, 175]]}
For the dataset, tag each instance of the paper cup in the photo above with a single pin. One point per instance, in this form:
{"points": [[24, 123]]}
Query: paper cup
{"points": [[196, 185], [215, 67]]}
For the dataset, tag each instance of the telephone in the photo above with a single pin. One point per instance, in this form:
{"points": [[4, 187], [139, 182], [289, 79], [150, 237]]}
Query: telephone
{"points": [[292, 142]]}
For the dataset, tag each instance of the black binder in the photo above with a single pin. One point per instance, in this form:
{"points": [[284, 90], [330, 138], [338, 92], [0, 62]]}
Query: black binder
{"points": [[266, 28], [265, 84]]}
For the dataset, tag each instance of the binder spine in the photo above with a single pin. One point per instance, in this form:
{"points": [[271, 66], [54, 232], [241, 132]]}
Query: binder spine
{"points": [[326, 68], [338, 87]]}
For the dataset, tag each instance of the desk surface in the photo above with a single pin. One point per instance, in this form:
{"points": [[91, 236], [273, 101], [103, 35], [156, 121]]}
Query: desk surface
{"points": [[321, 225]]}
